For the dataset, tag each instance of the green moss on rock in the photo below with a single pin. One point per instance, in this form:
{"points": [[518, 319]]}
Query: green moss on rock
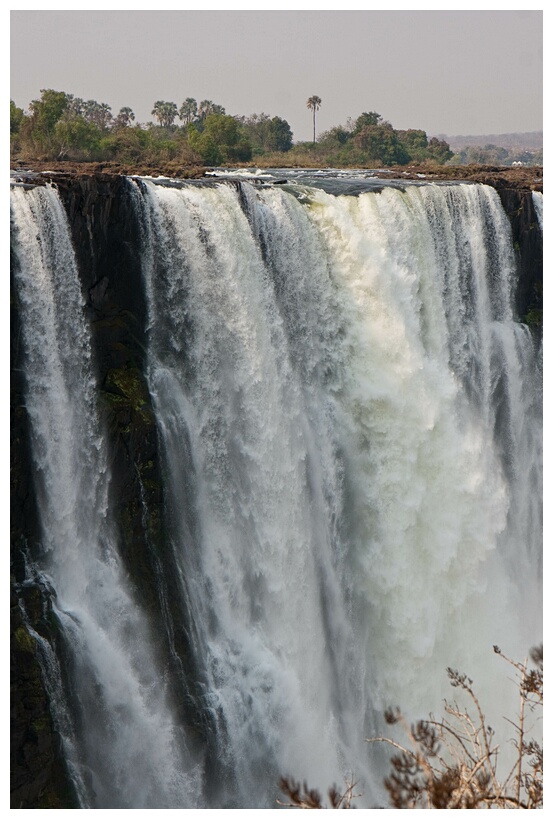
{"points": [[127, 383], [24, 640], [534, 318]]}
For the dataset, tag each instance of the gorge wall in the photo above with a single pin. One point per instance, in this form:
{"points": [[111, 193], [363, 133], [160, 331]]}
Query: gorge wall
{"points": [[108, 225]]}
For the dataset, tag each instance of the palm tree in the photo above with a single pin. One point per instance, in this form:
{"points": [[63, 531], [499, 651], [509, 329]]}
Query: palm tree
{"points": [[205, 108], [208, 107], [314, 103], [165, 112], [76, 105], [124, 117], [188, 110], [97, 112], [157, 110]]}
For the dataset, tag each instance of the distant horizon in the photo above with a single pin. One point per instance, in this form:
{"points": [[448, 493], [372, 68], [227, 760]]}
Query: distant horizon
{"points": [[527, 140], [452, 73], [502, 133]]}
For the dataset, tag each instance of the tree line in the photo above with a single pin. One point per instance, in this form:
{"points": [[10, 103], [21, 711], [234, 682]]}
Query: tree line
{"points": [[60, 126], [490, 154]]}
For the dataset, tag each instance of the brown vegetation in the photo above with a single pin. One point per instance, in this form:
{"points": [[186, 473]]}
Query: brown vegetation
{"points": [[453, 763]]}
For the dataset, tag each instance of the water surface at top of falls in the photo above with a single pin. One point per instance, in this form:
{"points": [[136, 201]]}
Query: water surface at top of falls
{"points": [[340, 182]]}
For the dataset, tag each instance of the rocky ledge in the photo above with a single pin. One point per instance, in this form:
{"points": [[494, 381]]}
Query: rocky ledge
{"points": [[517, 178], [514, 178]]}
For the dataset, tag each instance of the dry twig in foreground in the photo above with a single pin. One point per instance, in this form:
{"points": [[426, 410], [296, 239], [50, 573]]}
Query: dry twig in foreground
{"points": [[453, 763]]}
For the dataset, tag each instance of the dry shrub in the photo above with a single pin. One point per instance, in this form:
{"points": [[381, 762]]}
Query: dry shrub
{"points": [[453, 763]]}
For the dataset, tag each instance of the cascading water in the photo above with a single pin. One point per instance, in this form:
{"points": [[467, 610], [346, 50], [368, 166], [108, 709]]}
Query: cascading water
{"points": [[435, 397], [350, 425], [537, 199], [234, 411], [128, 751]]}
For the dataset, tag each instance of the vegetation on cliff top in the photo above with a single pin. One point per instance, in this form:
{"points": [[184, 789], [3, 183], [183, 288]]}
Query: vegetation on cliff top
{"points": [[61, 127]]}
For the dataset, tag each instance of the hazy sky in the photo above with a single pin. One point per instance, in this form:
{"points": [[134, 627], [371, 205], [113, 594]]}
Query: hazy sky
{"points": [[449, 72]]}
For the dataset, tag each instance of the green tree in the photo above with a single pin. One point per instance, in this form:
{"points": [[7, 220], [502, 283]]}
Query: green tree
{"points": [[224, 130], [37, 132], [366, 118], [46, 111], [421, 149], [209, 151], [314, 103], [279, 135], [266, 133], [439, 150], [76, 138], [17, 121], [335, 137], [76, 105], [165, 113], [17, 117], [221, 140], [256, 127], [98, 113], [415, 143], [380, 144], [128, 144], [124, 118], [188, 111], [207, 107]]}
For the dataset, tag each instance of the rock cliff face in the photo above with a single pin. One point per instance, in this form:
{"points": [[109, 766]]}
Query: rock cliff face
{"points": [[106, 235], [528, 243]]}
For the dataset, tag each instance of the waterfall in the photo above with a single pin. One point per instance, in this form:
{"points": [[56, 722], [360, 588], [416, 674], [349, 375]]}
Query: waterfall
{"points": [[129, 751], [537, 199], [349, 417], [267, 577], [435, 398]]}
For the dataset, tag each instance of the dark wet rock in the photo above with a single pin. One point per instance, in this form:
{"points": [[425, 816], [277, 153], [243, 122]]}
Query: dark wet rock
{"points": [[39, 776]]}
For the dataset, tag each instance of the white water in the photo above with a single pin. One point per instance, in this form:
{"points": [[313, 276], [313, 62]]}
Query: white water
{"points": [[351, 427], [129, 751], [266, 491], [431, 498], [537, 199], [361, 414]]}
